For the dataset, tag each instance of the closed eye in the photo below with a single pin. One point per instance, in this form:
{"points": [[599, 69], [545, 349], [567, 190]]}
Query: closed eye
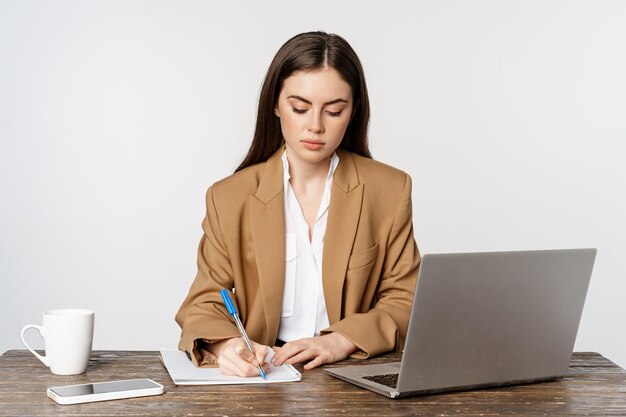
{"points": [[330, 113]]}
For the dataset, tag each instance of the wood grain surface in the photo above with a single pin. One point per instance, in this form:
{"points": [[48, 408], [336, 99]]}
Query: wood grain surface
{"points": [[594, 387]]}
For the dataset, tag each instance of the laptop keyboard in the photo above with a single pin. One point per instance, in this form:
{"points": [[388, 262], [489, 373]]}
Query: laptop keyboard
{"points": [[390, 380]]}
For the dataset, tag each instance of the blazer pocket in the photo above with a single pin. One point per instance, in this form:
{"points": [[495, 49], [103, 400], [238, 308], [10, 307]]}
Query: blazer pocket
{"points": [[291, 260], [363, 258]]}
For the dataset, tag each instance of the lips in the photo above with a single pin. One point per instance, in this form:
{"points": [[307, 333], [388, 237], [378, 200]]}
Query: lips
{"points": [[312, 145]]}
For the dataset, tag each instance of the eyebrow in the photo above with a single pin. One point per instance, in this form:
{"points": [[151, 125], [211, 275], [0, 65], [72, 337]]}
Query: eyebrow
{"points": [[337, 100]]}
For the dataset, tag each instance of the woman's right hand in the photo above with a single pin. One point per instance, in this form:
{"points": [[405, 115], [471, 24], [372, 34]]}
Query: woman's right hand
{"points": [[234, 357]]}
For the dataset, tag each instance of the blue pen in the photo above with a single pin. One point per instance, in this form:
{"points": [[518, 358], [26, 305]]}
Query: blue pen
{"points": [[233, 312]]}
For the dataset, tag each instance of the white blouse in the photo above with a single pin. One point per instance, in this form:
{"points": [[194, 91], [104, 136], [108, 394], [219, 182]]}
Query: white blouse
{"points": [[304, 307]]}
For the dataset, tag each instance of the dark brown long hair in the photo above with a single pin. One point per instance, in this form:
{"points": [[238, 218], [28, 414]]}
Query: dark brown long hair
{"points": [[306, 52]]}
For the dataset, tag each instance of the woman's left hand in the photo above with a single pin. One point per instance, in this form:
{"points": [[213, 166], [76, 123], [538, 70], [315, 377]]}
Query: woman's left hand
{"points": [[325, 349]]}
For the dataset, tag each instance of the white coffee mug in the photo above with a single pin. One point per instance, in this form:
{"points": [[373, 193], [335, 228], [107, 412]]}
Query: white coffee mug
{"points": [[67, 336]]}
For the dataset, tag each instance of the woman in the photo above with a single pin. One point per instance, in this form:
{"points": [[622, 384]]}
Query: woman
{"points": [[313, 236]]}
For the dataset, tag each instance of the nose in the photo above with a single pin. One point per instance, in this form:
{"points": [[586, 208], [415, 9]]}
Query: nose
{"points": [[315, 124]]}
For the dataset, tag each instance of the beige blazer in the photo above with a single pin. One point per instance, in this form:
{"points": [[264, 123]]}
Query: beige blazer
{"points": [[370, 258]]}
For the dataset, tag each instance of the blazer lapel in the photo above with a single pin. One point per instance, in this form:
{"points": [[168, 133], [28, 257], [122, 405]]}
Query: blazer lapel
{"points": [[267, 217], [343, 220]]}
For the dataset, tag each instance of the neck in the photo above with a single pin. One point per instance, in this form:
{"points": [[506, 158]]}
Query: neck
{"points": [[305, 174]]}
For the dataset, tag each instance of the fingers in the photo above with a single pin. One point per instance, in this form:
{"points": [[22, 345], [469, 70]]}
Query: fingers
{"points": [[236, 367], [242, 369], [261, 352], [242, 350], [320, 356], [285, 352], [314, 363], [320, 350], [257, 358], [236, 359], [300, 351]]}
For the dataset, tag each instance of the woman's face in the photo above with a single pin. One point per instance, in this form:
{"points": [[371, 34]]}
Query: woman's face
{"points": [[314, 108]]}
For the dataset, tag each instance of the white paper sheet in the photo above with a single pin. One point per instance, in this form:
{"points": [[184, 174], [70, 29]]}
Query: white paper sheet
{"points": [[184, 372]]}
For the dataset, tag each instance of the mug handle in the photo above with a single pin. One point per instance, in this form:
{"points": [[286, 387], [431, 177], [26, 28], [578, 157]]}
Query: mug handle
{"points": [[43, 359]]}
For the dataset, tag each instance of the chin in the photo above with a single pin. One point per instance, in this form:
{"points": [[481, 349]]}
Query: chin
{"points": [[310, 156], [315, 157]]}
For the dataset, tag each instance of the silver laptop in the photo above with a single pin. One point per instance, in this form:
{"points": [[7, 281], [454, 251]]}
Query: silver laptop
{"points": [[485, 319]]}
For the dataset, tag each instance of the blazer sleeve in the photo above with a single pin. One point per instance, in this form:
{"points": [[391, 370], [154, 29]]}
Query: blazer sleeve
{"points": [[202, 316], [383, 328]]}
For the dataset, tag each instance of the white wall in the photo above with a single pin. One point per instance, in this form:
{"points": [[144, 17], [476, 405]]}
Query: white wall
{"points": [[115, 116]]}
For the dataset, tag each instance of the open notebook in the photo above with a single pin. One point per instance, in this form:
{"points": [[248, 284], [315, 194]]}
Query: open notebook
{"points": [[184, 372]]}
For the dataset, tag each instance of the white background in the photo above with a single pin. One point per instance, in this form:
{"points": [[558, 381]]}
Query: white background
{"points": [[115, 116]]}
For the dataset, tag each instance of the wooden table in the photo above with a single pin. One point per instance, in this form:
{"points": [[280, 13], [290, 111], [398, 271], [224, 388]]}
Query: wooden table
{"points": [[594, 386]]}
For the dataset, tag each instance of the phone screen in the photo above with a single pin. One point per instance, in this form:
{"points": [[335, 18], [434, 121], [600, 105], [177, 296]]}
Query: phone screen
{"points": [[104, 387]]}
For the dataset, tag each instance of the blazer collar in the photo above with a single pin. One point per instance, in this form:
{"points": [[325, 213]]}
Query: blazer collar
{"points": [[343, 220], [346, 176], [271, 182], [267, 217]]}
